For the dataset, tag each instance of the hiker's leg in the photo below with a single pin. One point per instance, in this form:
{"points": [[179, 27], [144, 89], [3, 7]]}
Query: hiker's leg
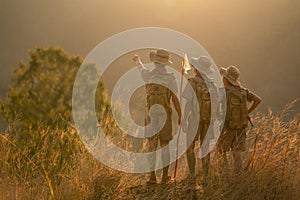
{"points": [[165, 157], [224, 145], [238, 147], [153, 142], [223, 167], [205, 135], [191, 158], [165, 136], [191, 140], [237, 157], [205, 166]]}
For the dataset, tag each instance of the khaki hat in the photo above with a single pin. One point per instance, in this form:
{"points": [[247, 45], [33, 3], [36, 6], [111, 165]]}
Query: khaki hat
{"points": [[161, 56], [232, 74], [203, 64]]}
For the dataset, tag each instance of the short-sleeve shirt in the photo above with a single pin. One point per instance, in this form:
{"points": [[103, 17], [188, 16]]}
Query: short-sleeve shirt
{"points": [[146, 75], [250, 96], [188, 90], [165, 134]]}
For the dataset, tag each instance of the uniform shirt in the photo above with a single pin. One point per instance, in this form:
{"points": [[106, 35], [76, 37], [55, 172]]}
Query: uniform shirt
{"points": [[188, 90], [189, 94], [165, 134], [250, 95], [146, 75]]}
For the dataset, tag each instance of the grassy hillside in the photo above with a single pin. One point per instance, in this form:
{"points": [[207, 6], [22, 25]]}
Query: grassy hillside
{"points": [[53, 164]]}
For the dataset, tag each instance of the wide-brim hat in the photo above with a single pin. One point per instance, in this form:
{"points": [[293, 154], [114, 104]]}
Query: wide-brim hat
{"points": [[161, 56], [203, 64], [232, 74]]}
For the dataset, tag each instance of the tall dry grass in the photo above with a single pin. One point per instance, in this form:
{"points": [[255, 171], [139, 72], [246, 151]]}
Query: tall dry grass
{"points": [[53, 164], [271, 162]]}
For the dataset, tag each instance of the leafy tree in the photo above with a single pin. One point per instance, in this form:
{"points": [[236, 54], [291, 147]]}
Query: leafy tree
{"points": [[42, 90]]}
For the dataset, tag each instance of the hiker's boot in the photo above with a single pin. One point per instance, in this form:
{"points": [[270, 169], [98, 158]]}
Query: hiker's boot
{"points": [[165, 177], [152, 178]]}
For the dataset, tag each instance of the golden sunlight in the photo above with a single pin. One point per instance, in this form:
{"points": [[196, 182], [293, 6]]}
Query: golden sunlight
{"points": [[170, 10]]}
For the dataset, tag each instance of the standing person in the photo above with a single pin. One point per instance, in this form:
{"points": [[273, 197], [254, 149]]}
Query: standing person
{"points": [[160, 88], [205, 97], [233, 136]]}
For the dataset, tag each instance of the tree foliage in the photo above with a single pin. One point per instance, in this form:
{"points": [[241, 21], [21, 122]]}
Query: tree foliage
{"points": [[42, 89]]}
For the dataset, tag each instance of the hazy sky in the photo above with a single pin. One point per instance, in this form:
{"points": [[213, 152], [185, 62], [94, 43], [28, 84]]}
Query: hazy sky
{"points": [[261, 37]]}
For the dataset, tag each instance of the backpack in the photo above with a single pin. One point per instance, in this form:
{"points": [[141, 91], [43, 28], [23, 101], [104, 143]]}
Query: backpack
{"points": [[203, 98], [159, 93], [237, 112]]}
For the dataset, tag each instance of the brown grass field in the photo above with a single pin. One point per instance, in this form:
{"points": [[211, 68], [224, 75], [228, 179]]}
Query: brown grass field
{"points": [[53, 164]]}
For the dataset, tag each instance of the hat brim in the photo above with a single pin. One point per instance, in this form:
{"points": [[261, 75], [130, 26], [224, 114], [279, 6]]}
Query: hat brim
{"points": [[206, 70], [161, 62], [223, 72]]}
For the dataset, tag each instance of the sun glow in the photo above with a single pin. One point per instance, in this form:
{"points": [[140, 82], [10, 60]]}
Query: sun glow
{"points": [[169, 3], [170, 10]]}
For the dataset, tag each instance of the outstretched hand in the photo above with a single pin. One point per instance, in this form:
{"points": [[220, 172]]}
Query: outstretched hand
{"points": [[136, 58]]}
